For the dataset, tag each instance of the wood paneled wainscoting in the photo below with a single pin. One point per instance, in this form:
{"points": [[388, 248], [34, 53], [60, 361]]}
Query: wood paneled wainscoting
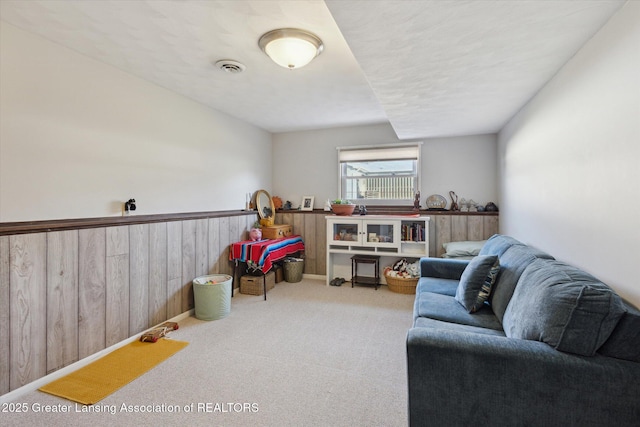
{"points": [[444, 227], [70, 288], [311, 225], [448, 227]]}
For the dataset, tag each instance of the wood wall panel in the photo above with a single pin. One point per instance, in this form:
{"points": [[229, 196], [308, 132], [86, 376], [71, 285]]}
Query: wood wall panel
{"points": [[308, 235], [28, 319], [321, 245], [475, 228], [458, 228], [157, 273], [224, 240], [62, 299], [298, 224], [202, 246], [92, 280], [228, 239], [243, 228], [138, 278], [5, 333], [117, 299], [234, 230], [188, 263], [432, 237], [117, 240], [117, 285], [284, 218], [443, 233], [490, 226], [214, 246], [174, 268]]}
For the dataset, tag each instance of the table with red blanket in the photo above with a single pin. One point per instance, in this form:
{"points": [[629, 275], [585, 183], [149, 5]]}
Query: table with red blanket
{"points": [[261, 254]]}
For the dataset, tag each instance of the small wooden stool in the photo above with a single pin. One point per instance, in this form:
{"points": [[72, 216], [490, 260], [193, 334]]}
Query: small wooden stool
{"points": [[365, 280]]}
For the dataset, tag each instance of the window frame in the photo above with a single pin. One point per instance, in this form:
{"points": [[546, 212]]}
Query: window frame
{"points": [[365, 153]]}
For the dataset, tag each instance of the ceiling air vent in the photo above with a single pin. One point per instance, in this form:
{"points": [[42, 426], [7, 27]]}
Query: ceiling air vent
{"points": [[230, 66]]}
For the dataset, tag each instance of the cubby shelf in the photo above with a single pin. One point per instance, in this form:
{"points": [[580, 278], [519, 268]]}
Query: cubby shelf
{"points": [[388, 236]]}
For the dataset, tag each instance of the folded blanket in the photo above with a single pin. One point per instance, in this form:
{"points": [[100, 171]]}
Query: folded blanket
{"points": [[262, 254]]}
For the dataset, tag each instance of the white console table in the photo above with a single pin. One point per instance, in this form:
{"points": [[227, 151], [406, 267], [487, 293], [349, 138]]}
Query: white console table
{"points": [[391, 237]]}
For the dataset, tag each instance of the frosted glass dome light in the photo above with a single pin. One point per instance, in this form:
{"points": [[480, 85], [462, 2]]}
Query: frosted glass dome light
{"points": [[291, 48]]}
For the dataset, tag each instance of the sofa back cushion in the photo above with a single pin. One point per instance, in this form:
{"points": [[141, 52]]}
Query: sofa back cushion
{"points": [[512, 263], [498, 244], [562, 306], [624, 342]]}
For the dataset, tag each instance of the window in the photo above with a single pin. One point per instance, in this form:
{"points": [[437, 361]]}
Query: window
{"points": [[387, 174]]}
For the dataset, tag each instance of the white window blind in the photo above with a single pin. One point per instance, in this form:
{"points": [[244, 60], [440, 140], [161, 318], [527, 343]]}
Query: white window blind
{"points": [[353, 154]]}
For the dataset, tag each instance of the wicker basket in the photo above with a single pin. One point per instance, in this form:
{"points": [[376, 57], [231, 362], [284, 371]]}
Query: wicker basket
{"points": [[401, 285], [253, 285]]}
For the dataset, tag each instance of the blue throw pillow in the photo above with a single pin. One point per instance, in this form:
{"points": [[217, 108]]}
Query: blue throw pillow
{"points": [[476, 282]]}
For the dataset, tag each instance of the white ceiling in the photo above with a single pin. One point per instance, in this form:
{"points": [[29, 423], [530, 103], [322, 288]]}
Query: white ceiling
{"points": [[429, 67]]}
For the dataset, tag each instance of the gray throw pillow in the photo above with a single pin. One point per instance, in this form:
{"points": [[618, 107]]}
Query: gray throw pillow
{"points": [[562, 306], [462, 249], [476, 282]]}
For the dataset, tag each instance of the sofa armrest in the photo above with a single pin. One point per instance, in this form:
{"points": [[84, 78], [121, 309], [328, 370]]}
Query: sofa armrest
{"points": [[443, 268], [462, 378]]}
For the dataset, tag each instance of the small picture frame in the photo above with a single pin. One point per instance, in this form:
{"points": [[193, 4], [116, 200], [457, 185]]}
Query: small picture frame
{"points": [[307, 203]]}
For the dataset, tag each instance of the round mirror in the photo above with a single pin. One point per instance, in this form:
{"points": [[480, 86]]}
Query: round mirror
{"points": [[266, 209]]}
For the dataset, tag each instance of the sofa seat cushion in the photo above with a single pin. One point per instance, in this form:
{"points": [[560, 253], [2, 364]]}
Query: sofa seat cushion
{"points": [[476, 282], [562, 306], [447, 309], [425, 322], [437, 285]]}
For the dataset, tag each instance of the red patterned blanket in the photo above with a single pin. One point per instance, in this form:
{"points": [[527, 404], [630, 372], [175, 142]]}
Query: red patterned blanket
{"points": [[263, 253]]}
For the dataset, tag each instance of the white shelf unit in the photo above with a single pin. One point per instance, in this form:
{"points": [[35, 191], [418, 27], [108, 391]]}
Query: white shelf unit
{"points": [[391, 237]]}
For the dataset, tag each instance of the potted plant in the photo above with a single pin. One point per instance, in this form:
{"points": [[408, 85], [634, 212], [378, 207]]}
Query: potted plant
{"points": [[342, 207]]}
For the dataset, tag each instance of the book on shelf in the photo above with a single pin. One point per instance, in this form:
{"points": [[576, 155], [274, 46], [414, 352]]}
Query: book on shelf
{"points": [[414, 232]]}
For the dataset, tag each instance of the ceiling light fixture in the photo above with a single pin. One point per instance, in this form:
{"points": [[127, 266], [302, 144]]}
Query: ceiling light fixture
{"points": [[290, 47]]}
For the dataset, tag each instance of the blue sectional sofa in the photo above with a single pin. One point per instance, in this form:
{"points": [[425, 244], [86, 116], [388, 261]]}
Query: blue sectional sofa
{"points": [[514, 337]]}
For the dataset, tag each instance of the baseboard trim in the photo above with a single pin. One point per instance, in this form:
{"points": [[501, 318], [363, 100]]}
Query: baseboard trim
{"points": [[314, 276], [34, 385]]}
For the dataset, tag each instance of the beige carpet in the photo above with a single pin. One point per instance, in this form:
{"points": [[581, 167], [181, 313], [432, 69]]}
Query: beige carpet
{"points": [[311, 355]]}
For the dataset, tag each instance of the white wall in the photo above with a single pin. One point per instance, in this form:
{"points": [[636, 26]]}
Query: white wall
{"points": [[570, 160], [78, 138], [306, 163]]}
